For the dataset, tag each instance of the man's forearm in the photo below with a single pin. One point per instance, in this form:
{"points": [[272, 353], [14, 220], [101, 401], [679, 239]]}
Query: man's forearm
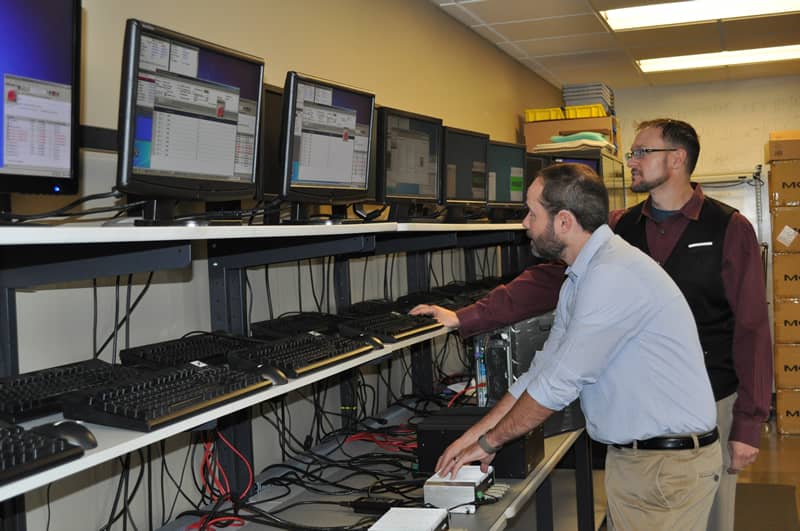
{"points": [[525, 415]]}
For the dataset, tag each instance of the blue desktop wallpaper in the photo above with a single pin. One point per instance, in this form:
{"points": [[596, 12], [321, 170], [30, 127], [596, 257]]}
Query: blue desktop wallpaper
{"points": [[36, 42], [351, 100]]}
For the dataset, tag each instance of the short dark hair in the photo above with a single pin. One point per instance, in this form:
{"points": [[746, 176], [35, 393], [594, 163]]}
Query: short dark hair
{"points": [[578, 189], [677, 134]]}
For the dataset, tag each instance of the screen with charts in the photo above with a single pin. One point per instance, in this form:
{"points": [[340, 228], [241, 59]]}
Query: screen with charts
{"points": [[506, 179], [189, 115], [409, 156], [465, 166], [329, 131], [39, 73]]}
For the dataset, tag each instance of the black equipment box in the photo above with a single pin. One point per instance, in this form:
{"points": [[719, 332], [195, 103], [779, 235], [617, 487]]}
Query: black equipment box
{"points": [[435, 433]]}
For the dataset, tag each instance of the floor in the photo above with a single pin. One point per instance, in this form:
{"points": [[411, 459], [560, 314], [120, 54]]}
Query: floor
{"points": [[778, 462]]}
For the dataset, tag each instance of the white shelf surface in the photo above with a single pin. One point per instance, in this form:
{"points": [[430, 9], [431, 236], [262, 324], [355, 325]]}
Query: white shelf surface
{"points": [[457, 227], [92, 233], [114, 442]]}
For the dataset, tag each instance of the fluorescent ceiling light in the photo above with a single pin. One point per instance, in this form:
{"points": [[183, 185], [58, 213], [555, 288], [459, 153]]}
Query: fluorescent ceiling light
{"points": [[676, 13], [707, 60]]}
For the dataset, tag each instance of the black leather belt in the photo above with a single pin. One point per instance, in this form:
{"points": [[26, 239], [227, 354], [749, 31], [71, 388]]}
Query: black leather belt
{"points": [[673, 443]]}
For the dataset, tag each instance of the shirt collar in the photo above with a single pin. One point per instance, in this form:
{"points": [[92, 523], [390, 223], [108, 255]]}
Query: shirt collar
{"points": [[598, 239], [691, 209]]}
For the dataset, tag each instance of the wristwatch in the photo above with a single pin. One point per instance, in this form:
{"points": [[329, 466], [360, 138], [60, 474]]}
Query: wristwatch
{"points": [[486, 447]]}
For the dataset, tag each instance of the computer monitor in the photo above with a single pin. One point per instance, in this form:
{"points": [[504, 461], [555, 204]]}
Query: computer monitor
{"points": [[326, 145], [592, 163], [409, 163], [464, 170], [189, 119], [39, 108], [506, 180]]}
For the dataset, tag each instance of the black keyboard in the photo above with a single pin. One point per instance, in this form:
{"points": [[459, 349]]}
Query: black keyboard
{"points": [[208, 348], [25, 452], [39, 393], [300, 353], [294, 324], [408, 301], [391, 326], [155, 400]]}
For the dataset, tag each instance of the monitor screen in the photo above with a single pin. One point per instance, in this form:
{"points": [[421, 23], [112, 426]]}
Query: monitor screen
{"points": [[506, 179], [189, 117], [40, 74], [327, 132], [409, 156], [464, 166]]}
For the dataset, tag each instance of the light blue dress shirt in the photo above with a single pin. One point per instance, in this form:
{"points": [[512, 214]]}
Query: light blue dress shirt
{"points": [[624, 339]]}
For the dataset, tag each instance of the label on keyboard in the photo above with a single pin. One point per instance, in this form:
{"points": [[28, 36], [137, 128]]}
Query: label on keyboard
{"points": [[314, 333], [198, 363]]}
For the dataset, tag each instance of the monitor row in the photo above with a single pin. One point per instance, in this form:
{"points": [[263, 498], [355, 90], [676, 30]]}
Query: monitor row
{"points": [[197, 123]]}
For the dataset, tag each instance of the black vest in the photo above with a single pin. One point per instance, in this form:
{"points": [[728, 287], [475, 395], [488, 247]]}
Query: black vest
{"points": [[697, 272]]}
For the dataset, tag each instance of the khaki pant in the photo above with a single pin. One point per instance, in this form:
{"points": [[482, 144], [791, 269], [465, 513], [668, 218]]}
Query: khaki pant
{"points": [[724, 508], [661, 489]]}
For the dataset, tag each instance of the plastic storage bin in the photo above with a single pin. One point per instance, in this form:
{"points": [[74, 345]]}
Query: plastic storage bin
{"points": [[540, 115], [585, 111]]}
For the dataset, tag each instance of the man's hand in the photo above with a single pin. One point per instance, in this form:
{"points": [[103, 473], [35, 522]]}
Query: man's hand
{"points": [[453, 459], [453, 451], [443, 315], [742, 456]]}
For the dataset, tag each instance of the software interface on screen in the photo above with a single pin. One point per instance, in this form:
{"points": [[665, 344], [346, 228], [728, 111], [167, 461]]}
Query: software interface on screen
{"points": [[506, 173], [196, 111], [465, 166], [36, 72], [412, 157], [331, 136]]}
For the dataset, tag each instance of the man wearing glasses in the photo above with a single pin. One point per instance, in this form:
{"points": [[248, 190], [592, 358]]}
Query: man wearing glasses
{"points": [[711, 252]]}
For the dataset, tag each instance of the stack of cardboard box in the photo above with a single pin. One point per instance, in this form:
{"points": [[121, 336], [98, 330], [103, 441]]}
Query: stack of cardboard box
{"points": [[783, 155]]}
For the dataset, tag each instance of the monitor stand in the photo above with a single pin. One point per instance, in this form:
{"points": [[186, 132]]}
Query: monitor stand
{"points": [[5, 208], [465, 214], [411, 212], [310, 214], [506, 215]]}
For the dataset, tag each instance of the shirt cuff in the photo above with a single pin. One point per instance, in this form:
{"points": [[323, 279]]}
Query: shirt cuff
{"points": [[746, 430], [468, 320]]}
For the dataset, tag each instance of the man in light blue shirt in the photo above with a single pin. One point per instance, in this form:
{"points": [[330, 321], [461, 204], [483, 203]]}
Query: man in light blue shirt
{"points": [[624, 340]]}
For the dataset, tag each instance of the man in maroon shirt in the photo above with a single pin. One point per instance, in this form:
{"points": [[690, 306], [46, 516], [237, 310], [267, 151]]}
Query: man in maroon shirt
{"points": [[711, 252]]}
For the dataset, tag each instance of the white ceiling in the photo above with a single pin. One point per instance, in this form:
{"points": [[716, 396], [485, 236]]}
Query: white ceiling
{"points": [[567, 41]]}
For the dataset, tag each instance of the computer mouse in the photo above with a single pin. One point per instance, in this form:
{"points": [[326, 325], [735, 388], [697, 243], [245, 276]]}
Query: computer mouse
{"points": [[71, 431], [273, 374]]}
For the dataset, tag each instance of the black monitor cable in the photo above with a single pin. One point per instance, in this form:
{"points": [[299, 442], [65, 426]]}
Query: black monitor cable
{"points": [[251, 299], [317, 302], [65, 210], [299, 287], [116, 320], [269, 292], [128, 312], [119, 325], [364, 280], [372, 215]]}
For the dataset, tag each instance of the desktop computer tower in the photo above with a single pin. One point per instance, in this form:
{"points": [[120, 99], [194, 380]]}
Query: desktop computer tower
{"points": [[502, 355]]}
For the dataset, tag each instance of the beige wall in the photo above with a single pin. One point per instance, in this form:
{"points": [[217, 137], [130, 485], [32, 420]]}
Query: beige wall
{"points": [[408, 52]]}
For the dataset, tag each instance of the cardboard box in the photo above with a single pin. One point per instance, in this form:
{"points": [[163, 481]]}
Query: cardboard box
{"points": [[540, 132], [784, 183], [786, 229], [787, 366], [786, 275], [787, 321], [788, 406], [783, 145]]}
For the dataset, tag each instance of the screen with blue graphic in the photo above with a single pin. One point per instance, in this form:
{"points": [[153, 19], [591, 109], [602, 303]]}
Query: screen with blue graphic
{"points": [[409, 156], [39, 73], [189, 116], [328, 132]]}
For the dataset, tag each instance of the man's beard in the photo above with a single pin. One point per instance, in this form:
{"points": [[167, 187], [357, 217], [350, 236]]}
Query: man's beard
{"points": [[645, 186], [547, 246]]}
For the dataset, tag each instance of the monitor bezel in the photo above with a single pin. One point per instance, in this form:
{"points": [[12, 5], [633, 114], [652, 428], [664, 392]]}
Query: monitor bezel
{"points": [[444, 200], [165, 186], [318, 195], [42, 184], [381, 193], [525, 177]]}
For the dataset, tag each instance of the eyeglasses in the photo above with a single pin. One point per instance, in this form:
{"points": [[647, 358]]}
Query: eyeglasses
{"points": [[639, 153]]}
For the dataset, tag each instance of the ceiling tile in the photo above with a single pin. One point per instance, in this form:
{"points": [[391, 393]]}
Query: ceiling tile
{"points": [[762, 32], [569, 44], [512, 49], [605, 5], [538, 29], [666, 42], [687, 77], [611, 67], [492, 11]]}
